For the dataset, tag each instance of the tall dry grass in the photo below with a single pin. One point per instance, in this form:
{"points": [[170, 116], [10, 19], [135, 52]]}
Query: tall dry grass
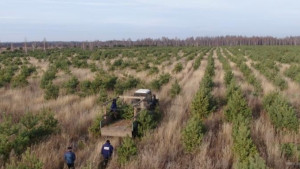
{"points": [[264, 135], [162, 148], [216, 148], [246, 87], [82, 74], [74, 114], [292, 92]]}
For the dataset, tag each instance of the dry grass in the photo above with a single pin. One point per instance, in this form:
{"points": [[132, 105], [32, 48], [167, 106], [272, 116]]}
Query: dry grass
{"points": [[41, 64], [268, 143], [82, 74], [162, 148], [16, 101], [61, 78], [292, 92], [74, 114], [184, 74], [255, 105], [263, 133], [216, 149], [266, 84], [246, 87], [219, 89]]}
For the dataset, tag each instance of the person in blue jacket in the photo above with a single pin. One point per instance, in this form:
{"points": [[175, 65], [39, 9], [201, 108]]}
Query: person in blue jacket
{"points": [[70, 158], [113, 106], [113, 109], [107, 151]]}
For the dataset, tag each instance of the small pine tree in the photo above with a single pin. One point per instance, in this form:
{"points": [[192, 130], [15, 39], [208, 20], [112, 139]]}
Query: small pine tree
{"points": [[178, 68], [94, 129], [237, 105], [228, 77], [231, 88], [288, 150], [243, 145], [200, 105], [28, 161], [51, 92], [192, 134], [72, 85], [102, 95], [126, 151], [281, 113], [147, 120], [175, 90], [255, 162], [47, 77]]}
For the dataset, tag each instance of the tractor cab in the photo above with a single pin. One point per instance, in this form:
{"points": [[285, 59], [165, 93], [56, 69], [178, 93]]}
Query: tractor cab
{"points": [[149, 101]]}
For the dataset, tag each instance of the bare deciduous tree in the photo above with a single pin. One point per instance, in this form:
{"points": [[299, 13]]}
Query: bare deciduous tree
{"points": [[11, 47], [164, 41], [44, 42], [25, 46]]}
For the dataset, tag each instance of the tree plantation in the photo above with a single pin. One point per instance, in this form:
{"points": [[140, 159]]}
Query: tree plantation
{"points": [[221, 104]]}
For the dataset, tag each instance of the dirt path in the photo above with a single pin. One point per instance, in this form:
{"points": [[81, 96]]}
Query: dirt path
{"points": [[163, 149]]}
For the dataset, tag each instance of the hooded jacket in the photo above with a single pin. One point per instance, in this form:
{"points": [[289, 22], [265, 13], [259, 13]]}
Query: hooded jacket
{"points": [[107, 150]]}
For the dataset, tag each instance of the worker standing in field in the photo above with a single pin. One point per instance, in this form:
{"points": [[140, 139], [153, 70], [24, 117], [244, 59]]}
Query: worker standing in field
{"points": [[70, 158], [107, 151], [113, 108], [135, 128]]}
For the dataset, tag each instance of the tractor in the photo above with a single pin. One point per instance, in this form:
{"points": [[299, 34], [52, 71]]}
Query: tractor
{"points": [[112, 126]]}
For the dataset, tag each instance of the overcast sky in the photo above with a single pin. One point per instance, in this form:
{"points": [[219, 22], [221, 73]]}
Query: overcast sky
{"points": [[122, 19]]}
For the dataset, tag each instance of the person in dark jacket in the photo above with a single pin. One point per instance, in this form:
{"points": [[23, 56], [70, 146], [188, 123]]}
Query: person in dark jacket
{"points": [[135, 128], [113, 108], [70, 158], [107, 151]]}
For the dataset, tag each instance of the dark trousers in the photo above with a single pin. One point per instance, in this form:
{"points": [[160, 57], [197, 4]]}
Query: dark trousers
{"points": [[104, 163], [71, 166]]}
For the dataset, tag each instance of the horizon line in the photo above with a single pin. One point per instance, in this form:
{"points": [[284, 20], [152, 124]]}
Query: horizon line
{"points": [[155, 38]]}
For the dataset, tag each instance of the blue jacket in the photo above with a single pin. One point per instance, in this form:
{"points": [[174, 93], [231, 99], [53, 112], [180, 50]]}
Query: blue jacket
{"points": [[113, 106], [107, 150], [70, 157]]}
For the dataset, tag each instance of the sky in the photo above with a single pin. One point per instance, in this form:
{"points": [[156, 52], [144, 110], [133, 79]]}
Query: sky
{"points": [[80, 20]]}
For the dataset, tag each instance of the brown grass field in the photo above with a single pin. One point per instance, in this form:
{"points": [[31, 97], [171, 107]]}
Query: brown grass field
{"points": [[161, 147]]}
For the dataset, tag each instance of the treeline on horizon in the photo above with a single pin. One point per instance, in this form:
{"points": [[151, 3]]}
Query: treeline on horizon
{"points": [[164, 41]]}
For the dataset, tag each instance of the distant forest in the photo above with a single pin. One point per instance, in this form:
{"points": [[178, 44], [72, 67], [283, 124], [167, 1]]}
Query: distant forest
{"points": [[164, 41]]}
